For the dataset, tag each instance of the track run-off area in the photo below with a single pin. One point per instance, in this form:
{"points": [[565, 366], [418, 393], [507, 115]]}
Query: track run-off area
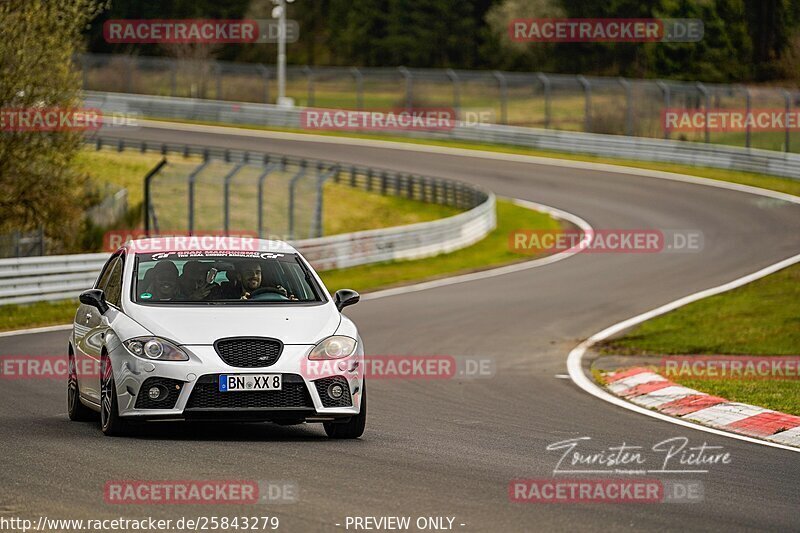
{"points": [[449, 448]]}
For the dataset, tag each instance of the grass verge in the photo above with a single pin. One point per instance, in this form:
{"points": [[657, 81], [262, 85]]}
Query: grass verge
{"points": [[127, 170], [761, 318], [490, 252]]}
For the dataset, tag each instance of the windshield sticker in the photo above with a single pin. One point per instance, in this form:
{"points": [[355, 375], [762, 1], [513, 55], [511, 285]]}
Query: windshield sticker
{"points": [[145, 296], [215, 254]]}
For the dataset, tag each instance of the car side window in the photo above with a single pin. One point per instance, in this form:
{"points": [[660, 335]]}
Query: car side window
{"points": [[102, 280], [113, 289]]}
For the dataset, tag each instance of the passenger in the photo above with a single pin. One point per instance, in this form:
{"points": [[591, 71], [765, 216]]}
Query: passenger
{"points": [[162, 282], [193, 283]]}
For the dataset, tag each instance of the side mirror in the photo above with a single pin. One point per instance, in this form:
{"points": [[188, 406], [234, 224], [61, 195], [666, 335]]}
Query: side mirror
{"points": [[95, 298], [345, 297]]}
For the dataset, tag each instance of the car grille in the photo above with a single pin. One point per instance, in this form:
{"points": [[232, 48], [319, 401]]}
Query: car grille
{"points": [[322, 388], [294, 394], [249, 352], [170, 390]]}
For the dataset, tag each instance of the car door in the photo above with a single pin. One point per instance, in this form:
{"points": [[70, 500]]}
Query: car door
{"points": [[91, 326]]}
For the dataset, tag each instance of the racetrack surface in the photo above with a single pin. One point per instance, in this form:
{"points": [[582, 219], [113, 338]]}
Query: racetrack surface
{"points": [[449, 447]]}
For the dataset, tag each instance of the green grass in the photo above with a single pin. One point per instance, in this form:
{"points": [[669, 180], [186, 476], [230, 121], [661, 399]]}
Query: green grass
{"points": [[761, 318], [121, 169], [489, 252], [784, 185], [127, 170], [346, 209], [780, 395], [37, 314]]}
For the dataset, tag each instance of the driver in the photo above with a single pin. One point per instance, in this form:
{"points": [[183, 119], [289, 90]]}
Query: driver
{"points": [[247, 280]]}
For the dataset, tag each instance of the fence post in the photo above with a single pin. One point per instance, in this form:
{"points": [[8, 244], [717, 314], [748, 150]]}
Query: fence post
{"points": [[547, 107], [702, 89], [747, 106], [270, 167], [587, 109], [320, 192], [359, 79], [665, 89], [300, 173], [227, 187], [173, 77], [41, 240], [218, 69], [628, 106], [503, 85], [192, 177], [787, 98], [310, 82], [131, 64], [409, 82], [84, 59], [264, 74], [456, 89], [147, 181]]}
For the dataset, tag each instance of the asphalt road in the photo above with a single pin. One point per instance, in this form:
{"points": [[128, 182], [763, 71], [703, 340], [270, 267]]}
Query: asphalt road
{"points": [[449, 448]]}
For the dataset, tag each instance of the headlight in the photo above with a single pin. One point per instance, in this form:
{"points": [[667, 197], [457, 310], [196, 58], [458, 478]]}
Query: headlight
{"points": [[155, 349], [334, 347]]}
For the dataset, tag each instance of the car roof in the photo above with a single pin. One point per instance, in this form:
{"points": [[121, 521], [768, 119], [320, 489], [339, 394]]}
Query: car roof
{"points": [[182, 243]]}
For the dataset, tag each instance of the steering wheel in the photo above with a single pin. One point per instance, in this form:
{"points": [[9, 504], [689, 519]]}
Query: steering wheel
{"points": [[269, 294]]}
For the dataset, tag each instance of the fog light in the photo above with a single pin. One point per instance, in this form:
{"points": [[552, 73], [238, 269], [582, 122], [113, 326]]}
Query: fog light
{"points": [[335, 391], [154, 393]]}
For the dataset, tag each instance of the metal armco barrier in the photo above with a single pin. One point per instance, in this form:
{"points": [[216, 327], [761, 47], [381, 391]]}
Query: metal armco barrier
{"points": [[640, 148], [24, 280], [59, 277], [592, 104], [48, 278]]}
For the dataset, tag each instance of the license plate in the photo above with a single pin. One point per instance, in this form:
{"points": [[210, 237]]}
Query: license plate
{"points": [[250, 382]]}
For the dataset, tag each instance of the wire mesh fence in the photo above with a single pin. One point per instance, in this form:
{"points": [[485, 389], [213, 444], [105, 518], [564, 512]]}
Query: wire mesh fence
{"points": [[205, 189], [554, 101], [23, 244]]}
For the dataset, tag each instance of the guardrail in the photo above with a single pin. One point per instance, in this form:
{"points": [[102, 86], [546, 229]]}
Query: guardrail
{"points": [[591, 104], [24, 280], [54, 277], [640, 148], [57, 277]]}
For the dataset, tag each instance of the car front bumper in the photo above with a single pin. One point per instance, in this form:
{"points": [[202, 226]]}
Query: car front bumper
{"points": [[191, 389]]}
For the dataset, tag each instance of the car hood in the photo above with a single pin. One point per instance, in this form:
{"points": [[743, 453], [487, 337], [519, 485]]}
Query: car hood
{"points": [[190, 325]]}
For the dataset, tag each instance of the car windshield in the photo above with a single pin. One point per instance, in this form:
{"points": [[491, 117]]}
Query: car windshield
{"points": [[222, 277]]}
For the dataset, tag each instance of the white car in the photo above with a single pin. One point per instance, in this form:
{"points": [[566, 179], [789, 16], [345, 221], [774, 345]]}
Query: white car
{"points": [[204, 333]]}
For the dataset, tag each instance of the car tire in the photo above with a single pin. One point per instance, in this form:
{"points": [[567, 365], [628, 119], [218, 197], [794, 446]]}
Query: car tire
{"points": [[353, 428], [75, 409], [111, 423]]}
